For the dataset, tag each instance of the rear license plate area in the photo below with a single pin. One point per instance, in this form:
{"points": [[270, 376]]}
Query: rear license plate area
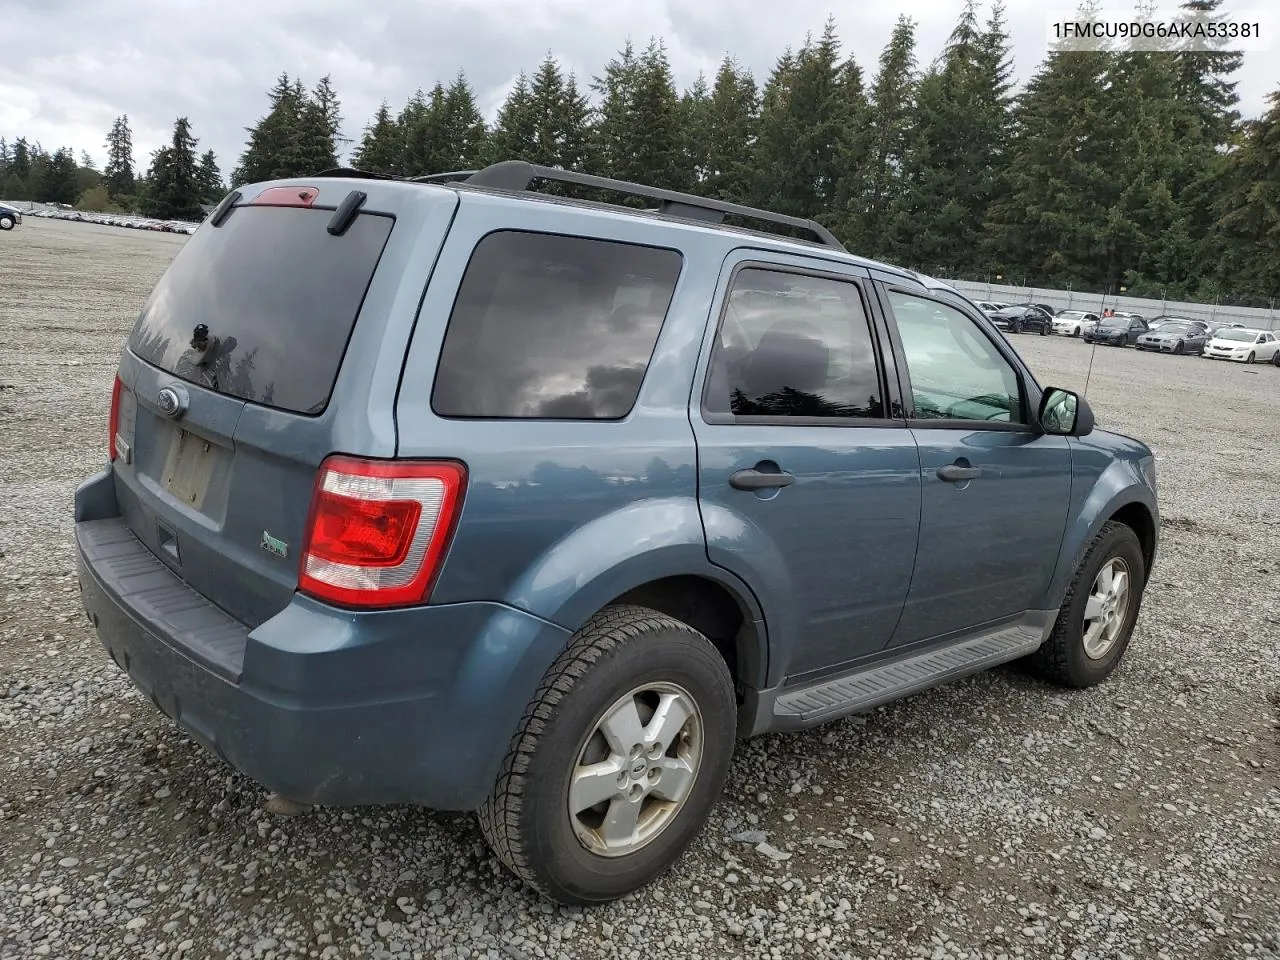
{"points": [[190, 466]]}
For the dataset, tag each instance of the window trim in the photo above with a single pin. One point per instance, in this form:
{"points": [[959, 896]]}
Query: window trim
{"points": [[457, 293], [904, 373], [883, 359]]}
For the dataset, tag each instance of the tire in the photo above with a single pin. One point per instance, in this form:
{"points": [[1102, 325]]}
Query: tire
{"points": [[1275, 359], [1064, 658], [1252, 357], [1015, 327], [528, 819], [1044, 330], [1177, 347], [7, 223]]}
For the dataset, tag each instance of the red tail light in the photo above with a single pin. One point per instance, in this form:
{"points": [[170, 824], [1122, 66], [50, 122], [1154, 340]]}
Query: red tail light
{"points": [[287, 197], [378, 530], [113, 422]]}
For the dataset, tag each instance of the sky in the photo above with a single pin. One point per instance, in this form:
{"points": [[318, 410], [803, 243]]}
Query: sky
{"points": [[69, 67]]}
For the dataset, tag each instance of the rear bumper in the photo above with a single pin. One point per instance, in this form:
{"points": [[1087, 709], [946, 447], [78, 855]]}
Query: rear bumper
{"points": [[323, 705]]}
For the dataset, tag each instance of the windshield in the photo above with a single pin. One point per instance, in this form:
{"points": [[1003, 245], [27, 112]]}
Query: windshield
{"points": [[1072, 315], [1115, 323], [1246, 336], [1178, 326]]}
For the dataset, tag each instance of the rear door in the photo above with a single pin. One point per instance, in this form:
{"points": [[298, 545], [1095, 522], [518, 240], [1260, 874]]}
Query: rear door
{"points": [[994, 489], [227, 379], [808, 484]]}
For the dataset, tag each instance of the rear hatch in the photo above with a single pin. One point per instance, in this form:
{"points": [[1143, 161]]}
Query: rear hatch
{"points": [[222, 392]]}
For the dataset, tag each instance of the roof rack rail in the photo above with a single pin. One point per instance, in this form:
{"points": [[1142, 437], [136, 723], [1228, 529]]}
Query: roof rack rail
{"points": [[354, 174], [444, 177], [518, 175]]}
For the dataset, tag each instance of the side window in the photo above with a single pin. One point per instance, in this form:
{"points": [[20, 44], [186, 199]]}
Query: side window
{"points": [[956, 372], [792, 345], [553, 327]]}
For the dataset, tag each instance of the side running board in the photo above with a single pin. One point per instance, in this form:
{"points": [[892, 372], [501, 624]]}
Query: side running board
{"points": [[871, 686]]}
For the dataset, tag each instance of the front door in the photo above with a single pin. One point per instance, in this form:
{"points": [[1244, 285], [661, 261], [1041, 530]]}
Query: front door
{"points": [[995, 490], [809, 488]]}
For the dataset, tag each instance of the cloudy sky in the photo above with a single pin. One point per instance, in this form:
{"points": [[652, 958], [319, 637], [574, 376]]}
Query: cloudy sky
{"points": [[70, 66]]}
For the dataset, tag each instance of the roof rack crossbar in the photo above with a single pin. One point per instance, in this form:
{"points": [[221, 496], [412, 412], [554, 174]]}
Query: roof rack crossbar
{"points": [[518, 175]]}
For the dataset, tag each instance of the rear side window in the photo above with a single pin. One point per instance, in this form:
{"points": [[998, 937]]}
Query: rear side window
{"points": [[553, 327], [262, 307], [793, 345]]}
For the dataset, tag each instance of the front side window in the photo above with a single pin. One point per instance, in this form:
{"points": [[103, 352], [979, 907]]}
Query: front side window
{"points": [[553, 327], [956, 373], [793, 345]]}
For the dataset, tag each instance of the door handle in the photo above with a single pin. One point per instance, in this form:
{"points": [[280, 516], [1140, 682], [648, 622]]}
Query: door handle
{"points": [[954, 473], [759, 480]]}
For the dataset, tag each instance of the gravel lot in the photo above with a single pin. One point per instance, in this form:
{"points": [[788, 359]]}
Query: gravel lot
{"points": [[996, 817]]}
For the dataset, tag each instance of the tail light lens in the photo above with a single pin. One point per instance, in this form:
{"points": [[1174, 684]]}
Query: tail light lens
{"points": [[113, 422], [378, 530]]}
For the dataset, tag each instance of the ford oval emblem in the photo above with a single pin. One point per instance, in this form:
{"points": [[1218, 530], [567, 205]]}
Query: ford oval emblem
{"points": [[172, 401]]}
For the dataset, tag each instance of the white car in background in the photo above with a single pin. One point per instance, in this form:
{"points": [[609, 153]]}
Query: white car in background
{"points": [[1243, 345], [1072, 323]]}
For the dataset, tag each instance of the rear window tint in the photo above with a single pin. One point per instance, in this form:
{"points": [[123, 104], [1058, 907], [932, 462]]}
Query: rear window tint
{"points": [[278, 296], [553, 327]]}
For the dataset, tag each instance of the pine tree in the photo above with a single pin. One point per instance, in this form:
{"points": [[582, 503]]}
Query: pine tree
{"points": [[732, 115], [1060, 177], [209, 178], [953, 163], [318, 130], [1249, 227], [640, 135], [695, 109], [58, 182], [117, 175], [1204, 77], [464, 128], [889, 127], [381, 146], [175, 189], [812, 122], [274, 147], [515, 135], [560, 116], [415, 125]]}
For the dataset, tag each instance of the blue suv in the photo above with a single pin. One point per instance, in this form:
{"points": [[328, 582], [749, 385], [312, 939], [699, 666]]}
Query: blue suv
{"points": [[461, 494]]}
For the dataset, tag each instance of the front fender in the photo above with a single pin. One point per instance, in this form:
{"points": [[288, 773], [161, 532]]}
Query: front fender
{"points": [[1118, 485], [605, 558]]}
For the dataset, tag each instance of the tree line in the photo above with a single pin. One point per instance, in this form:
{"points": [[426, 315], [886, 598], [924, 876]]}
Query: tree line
{"points": [[1110, 170], [173, 187]]}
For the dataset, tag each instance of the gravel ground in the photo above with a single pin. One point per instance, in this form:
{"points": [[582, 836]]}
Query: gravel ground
{"points": [[995, 817]]}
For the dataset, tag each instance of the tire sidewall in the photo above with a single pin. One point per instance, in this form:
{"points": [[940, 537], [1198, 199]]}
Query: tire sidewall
{"points": [[6, 223], [1118, 541], [567, 868]]}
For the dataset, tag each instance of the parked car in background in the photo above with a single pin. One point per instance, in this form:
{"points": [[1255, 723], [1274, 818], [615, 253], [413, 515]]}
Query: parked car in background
{"points": [[524, 587], [1243, 345], [1051, 310], [1119, 330], [1072, 323], [989, 306], [1175, 336], [10, 217], [1024, 316]]}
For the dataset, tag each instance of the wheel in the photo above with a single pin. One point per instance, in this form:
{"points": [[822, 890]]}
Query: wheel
{"points": [[6, 222], [618, 761], [1097, 615], [1275, 359], [1015, 327], [1252, 357], [1075, 332], [1177, 347], [1044, 330]]}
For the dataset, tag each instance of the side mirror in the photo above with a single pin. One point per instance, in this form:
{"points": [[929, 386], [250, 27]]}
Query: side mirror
{"points": [[1064, 413]]}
